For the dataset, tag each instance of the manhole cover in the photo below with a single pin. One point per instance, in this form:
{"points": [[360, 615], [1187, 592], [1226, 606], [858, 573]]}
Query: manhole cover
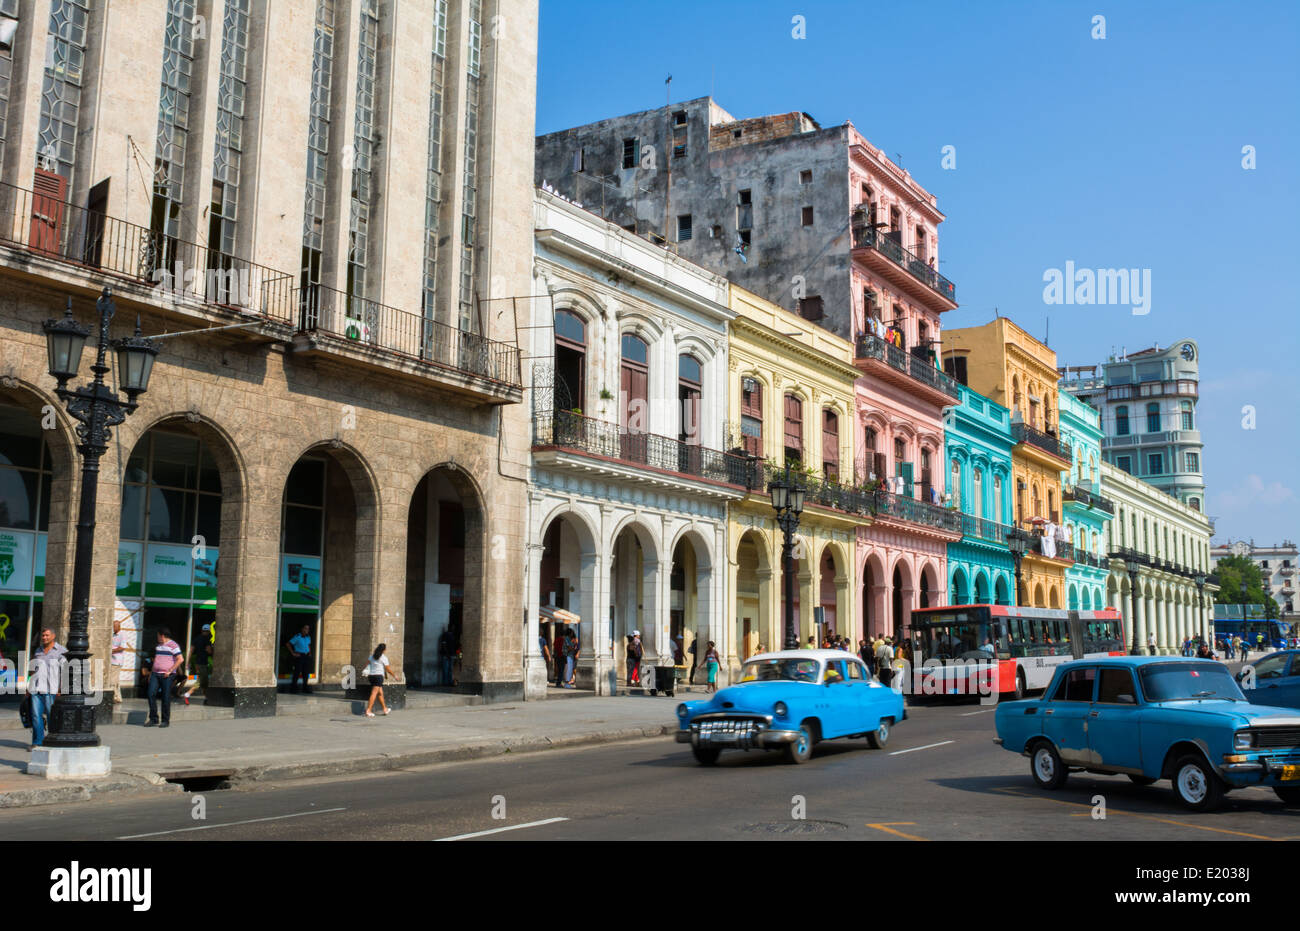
{"points": [[794, 827]]}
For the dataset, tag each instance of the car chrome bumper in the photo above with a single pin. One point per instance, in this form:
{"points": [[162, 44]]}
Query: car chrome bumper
{"points": [[759, 739], [1265, 771]]}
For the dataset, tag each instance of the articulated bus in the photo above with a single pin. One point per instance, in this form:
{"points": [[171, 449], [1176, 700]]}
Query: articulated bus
{"points": [[1011, 651]]}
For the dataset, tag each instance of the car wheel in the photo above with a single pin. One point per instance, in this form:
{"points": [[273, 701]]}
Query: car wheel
{"points": [[1045, 763], [880, 736], [1290, 795], [1020, 685], [1196, 785], [706, 756], [1140, 780], [800, 749]]}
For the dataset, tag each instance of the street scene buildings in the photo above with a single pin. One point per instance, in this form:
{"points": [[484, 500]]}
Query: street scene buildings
{"points": [[428, 381]]}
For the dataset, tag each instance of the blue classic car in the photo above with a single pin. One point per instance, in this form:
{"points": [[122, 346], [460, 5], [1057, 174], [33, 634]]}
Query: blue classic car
{"points": [[1155, 717], [791, 700], [1275, 680]]}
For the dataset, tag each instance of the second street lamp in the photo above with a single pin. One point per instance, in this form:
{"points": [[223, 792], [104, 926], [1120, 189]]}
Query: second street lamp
{"points": [[97, 409], [787, 501], [1016, 543]]}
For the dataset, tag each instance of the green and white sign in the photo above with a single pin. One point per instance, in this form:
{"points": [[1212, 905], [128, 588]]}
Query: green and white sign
{"points": [[17, 552], [300, 580], [168, 571], [130, 569]]}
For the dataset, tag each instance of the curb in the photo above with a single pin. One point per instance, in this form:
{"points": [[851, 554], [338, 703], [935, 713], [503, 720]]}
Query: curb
{"points": [[139, 782]]}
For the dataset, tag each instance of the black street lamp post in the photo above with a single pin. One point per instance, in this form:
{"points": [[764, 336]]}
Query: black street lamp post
{"points": [[787, 499], [1200, 610], [97, 409], [1016, 543], [1133, 610]]}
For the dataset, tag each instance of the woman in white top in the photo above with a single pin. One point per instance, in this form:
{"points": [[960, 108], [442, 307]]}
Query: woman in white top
{"points": [[377, 669]]}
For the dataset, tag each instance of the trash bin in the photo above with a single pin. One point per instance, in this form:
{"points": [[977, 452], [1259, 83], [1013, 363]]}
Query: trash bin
{"points": [[665, 680]]}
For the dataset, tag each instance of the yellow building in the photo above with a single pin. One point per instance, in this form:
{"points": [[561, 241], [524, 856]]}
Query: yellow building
{"points": [[1003, 362], [791, 399]]}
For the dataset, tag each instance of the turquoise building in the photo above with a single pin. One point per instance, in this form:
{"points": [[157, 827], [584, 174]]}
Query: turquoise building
{"points": [[977, 447], [1085, 512]]}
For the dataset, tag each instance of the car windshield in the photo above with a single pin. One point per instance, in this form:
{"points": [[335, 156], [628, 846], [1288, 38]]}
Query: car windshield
{"points": [[1188, 682], [773, 670]]}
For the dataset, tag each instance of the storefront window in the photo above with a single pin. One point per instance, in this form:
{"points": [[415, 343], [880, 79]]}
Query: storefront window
{"points": [[301, 548], [25, 478]]}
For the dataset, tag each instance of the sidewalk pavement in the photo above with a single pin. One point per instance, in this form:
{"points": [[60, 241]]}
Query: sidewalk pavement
{"points": [[300, 746]]}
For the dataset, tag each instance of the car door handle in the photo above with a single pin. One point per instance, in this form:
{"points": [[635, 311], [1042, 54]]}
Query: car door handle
{"points": [[1093, 714], [1050, 711]]}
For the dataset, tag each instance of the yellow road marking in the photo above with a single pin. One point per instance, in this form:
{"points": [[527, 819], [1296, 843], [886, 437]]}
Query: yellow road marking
{"points": [[885, 826], [1115, 811]]}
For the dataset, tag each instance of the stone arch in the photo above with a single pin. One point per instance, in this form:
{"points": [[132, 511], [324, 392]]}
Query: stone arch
{"points": [[980, 588], [645, 535], [1002, 590], [960, 588], [757, 594], [1073, 597], [1040, 599], [1054, 596]]}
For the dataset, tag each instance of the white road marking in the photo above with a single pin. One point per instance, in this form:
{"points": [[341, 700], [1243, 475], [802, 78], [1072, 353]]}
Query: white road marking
{"points": [[984, 711], [926, 747], [228, 824], [513, 827]]}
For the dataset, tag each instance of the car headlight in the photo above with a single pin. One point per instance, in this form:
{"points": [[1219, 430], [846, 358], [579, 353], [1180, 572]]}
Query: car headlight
{"points": [[1243, 740], [681, 710], [780, 709]]}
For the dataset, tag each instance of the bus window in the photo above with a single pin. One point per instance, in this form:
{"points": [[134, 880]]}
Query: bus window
{"points": [[1002, 641]]}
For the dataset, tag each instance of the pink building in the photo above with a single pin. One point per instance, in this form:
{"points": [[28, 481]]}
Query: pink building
{"points": [[898, 297]]}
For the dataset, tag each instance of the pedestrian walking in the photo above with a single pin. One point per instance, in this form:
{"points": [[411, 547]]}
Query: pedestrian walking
{"points": [[204, 652], [1151, 644], [168, 660], [884, 662], [712, 662], [634, 653], [572, 649], [546, 653], [694, 659], [116, 658], [1243, 649], [43, 682], [300, 649], [378, 669]]}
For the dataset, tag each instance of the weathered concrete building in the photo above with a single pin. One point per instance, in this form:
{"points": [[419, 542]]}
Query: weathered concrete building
{"points": [[353, 457]]}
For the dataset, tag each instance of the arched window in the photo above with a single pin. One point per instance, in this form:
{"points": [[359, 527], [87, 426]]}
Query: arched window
{"points": [[998, 509], [1121, 420], [1186, 409], [956, 484], [1037, 503], [977, 492], [1195, 504], [690, 381], [1153, 417], [793, 429], [570, 361], [633, 389], [751, 416], [1092, 469], [1051, 504], [1015, 395]]}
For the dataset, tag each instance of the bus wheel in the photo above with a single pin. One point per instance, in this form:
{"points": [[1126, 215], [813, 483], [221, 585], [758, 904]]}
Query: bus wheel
{"points": [[1020, 685], [1045, 763]]}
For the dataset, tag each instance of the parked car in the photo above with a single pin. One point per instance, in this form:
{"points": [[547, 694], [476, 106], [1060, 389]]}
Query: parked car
{"points": [[1155, 717], [791, 700], [1275, 680]]}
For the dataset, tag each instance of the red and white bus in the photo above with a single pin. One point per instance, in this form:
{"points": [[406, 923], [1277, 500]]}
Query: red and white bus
{"points": [[1009, 650]]}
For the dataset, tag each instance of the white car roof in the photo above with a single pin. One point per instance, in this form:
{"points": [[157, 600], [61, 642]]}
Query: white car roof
{"points": [[820, 655]]}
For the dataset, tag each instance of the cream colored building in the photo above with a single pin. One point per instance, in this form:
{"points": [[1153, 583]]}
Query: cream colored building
{"points": [[791, 398], [354, 455]]}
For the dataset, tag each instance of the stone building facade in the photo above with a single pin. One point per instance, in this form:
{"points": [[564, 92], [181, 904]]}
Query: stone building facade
{"points": [[341, 443], [630, 485]]}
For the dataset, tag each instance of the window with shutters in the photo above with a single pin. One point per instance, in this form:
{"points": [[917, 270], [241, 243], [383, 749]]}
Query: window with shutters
{"points": [[1186, 410], [830, 446], [690, 380], [1121, 420], [793, 429], [1153, 418], [633, 389], [683, 227], [812, 308], [630, 153], [751, 416]]}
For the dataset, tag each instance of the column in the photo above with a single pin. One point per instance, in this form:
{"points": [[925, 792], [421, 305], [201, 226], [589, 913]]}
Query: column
{"points": [[535, 672]]}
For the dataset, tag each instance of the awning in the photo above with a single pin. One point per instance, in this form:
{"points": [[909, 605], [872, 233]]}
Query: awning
{"points": [[552, 613]]}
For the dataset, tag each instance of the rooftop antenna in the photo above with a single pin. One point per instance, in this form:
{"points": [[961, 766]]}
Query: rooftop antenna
{"points": [[1047, 337]]}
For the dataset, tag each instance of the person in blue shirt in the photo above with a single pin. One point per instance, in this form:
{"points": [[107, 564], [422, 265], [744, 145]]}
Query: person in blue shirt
{"points": [[300, 649]]}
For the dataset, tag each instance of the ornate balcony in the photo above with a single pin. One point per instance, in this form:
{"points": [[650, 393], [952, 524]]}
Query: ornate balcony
{"points": [[883, 249], [894, 365], [901, 507], [1081, 495], [183, 278], [988, 530], [1026, 436], [604, 440]]}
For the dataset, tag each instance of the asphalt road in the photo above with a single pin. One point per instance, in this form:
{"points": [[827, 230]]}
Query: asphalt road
{"points": [[941, 778]]}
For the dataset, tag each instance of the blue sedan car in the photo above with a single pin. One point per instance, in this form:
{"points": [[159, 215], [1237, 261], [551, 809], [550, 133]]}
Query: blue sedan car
{"points": [[791, 700], [1155, 717], [1275, 680]]}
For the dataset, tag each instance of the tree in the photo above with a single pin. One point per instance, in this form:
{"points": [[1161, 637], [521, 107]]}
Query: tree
{"points": [[1240, 582]]}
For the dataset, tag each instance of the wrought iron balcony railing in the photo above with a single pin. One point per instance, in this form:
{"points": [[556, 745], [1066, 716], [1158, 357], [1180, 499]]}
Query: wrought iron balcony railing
{"points": [[902, 507], [870, 346], [867, 237], [1087, 498], [46, 226], [984, 529], [1023, 433], [572, 430]]}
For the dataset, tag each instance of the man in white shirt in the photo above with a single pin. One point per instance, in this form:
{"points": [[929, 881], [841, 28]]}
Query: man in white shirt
{"points": [[885, 661], [121, 642], [1151, 644]]}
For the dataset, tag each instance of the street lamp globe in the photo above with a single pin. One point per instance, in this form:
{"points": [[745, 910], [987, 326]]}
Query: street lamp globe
{"points": [[135, 356], [796, 499], [780, 494], [65, 339]]}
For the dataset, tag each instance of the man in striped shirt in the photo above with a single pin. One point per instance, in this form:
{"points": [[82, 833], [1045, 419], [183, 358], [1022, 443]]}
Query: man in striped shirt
{"points": [[167, 663]]}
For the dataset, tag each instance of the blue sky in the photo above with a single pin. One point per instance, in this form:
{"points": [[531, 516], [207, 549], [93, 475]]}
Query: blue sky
{"points": [[1117, 152]]}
